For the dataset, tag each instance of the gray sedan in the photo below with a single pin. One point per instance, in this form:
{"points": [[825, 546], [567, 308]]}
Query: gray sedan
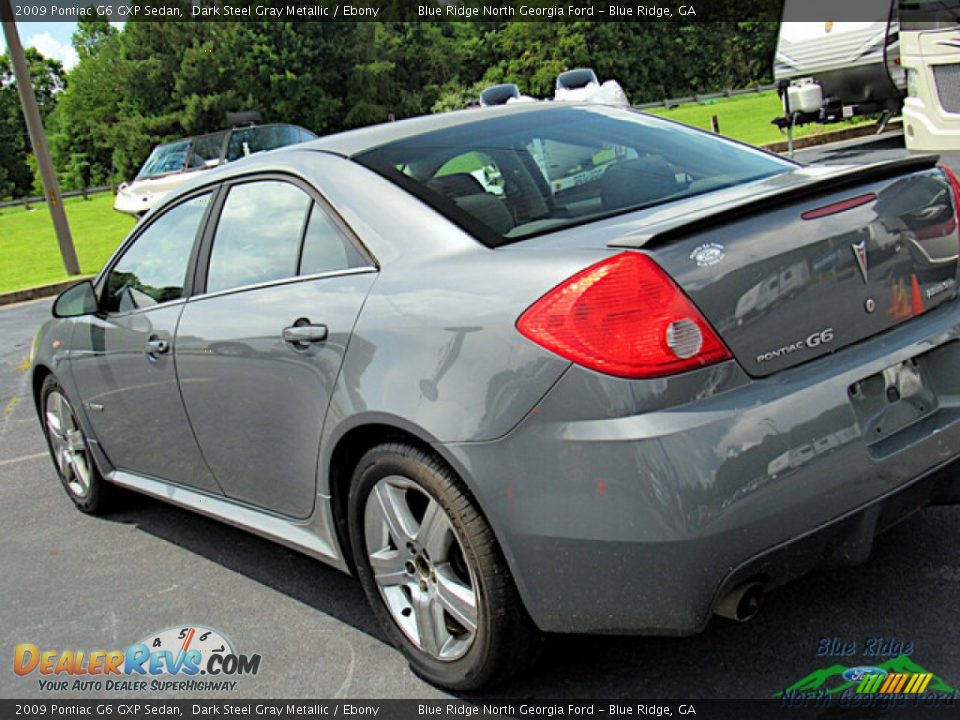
{"points": [[536, 368]]}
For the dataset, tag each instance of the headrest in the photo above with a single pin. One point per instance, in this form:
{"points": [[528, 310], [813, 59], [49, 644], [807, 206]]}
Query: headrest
{"points": [[637, 182], [456, 185], [487, 209]]}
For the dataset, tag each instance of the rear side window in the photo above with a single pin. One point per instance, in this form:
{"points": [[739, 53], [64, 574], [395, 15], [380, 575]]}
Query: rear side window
{"points": [[325, 248], [154, 268], [507, 177], [258, 235]]}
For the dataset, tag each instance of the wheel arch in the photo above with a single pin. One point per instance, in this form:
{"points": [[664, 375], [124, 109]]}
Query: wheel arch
{"points": [[353, 444], [40, 373]]}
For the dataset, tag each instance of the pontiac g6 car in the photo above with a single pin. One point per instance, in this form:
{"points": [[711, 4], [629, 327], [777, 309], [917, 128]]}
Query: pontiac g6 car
{"points": [[621, 404]]}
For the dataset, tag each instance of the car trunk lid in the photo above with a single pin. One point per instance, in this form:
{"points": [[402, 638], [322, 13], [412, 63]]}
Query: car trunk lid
{"points": [[820, 260]]}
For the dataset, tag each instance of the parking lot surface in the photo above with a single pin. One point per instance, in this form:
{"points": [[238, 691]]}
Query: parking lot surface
{"points": [[75, 582]]}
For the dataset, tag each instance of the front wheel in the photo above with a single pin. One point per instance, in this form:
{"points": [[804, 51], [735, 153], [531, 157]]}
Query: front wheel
{"points": [[433, 572], [70, 453]]}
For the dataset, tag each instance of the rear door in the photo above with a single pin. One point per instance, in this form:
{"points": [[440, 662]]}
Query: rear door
{"points": [[259, 350]]}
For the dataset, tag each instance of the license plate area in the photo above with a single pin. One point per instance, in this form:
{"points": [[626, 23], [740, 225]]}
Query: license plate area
{"points": [[893, 399]]}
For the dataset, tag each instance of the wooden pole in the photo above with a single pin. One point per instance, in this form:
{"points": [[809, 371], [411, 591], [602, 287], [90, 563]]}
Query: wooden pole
{"points": [[38, 139]]}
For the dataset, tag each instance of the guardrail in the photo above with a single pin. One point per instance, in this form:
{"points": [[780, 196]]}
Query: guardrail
{"points": [[36, 199], [697, 98]]}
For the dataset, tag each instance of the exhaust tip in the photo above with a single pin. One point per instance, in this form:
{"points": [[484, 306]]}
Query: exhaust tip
{"points": [[742, 603]]}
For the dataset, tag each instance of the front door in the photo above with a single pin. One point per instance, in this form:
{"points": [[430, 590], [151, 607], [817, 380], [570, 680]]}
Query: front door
{"points": [[259, 352], [123, 357]]}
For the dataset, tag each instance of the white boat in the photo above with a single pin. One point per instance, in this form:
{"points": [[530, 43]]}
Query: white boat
{"points": [[171, 164]]}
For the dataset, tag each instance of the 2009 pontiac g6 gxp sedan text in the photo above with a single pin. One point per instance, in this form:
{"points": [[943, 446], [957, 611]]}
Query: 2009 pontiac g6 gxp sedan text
{"points": [[532, 368]]}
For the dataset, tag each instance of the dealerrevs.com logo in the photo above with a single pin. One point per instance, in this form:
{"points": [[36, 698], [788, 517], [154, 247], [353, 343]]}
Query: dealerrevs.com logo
{"points": [[170, 660]]}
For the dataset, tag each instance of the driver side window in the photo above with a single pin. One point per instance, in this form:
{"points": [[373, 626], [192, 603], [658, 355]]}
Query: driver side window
{"points": [[154, 269]]}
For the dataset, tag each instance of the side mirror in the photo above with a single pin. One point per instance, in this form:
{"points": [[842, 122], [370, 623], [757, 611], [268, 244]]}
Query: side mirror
{"points": [[76, 300]]}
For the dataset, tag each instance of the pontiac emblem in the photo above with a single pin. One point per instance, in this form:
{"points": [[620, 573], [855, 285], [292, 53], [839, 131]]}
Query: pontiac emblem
{"points": [[860, 252]]}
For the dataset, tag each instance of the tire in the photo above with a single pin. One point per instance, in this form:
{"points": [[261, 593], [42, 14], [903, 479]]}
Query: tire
{"points": [[436, 558], [70, 452]]}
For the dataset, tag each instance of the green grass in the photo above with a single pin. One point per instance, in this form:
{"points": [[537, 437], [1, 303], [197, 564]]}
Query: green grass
{"points": [[29, 254], [745, 117]]}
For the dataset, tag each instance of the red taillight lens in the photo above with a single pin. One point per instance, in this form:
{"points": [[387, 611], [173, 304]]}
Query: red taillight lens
{"points": [[955, 184], [623, 316]]}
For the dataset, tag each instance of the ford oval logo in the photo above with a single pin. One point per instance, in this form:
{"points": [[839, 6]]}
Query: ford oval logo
{"points": [[856, 674], [707, 254]]}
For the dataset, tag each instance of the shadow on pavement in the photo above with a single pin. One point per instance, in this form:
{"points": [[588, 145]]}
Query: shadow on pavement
{"points": [[880, 598]]}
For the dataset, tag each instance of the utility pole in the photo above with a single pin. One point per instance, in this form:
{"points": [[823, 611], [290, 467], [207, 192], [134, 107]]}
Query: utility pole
{"points": [[38, 139]]}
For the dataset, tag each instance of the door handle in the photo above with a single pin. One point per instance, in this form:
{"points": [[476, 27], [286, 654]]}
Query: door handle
{"points": [[156, 346], [303, 332]]}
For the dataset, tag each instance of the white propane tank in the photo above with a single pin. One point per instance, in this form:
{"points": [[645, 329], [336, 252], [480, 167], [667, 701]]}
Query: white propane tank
{"points": [[805, 95]]}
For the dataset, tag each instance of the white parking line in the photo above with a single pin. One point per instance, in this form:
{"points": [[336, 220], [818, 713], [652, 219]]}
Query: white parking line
{"points": [[22, 458]]}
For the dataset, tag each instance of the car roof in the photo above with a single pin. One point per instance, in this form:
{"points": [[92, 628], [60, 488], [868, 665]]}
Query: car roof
{"points": [[354, 142]]}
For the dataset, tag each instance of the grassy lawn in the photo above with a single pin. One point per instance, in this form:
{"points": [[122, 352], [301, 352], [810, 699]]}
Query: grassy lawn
{"points": [[29, 254], [745, 117]]}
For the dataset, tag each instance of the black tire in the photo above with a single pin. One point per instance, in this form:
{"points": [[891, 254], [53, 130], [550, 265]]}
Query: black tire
{"points": [[99, 496], [505, 641]]}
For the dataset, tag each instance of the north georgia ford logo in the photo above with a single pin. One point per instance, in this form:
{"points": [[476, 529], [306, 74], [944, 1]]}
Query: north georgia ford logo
{"points": [[813, 340], [188, 651]]}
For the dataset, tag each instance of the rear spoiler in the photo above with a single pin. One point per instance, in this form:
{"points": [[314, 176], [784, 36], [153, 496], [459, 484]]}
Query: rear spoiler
{"points": [[735, 209]]}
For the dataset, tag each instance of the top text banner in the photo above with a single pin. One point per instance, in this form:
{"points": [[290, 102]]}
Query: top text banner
{"points": [[438, 10]]}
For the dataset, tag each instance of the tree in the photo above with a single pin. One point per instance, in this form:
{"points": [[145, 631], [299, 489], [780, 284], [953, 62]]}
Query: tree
{"points": [[91, 36], [85, 120], [48, 80]]}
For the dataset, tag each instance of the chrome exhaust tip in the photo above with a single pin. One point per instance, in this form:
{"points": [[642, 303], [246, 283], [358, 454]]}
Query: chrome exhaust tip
{"points": [[742, 603]]}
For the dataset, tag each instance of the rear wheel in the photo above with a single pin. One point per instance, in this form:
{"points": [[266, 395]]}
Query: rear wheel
{"points": [[70, 452], [433, 572]]}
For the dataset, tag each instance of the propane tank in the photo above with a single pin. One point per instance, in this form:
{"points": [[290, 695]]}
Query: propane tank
{"points": [[805, 95]]}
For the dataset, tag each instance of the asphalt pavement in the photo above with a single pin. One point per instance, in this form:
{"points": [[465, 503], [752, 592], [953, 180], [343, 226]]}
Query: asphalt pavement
{"points": [[69, 581]]}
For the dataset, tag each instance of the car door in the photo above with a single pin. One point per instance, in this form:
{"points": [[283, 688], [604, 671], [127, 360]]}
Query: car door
{"points": [[259, 350], [123, 357]]}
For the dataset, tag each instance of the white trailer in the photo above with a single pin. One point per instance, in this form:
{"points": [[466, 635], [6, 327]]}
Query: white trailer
{"points": [[930, 54], [833, 70]]}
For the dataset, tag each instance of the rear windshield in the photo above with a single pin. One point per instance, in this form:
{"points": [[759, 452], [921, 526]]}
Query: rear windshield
{"points": [[512, 177]]}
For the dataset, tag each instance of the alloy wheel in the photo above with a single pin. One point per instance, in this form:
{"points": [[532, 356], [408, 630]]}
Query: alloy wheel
{"points": [[420, 568], [66, 441]]}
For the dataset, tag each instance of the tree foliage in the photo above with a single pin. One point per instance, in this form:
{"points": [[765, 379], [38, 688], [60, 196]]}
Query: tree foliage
{"points": [[153, 82], [48, 78]]}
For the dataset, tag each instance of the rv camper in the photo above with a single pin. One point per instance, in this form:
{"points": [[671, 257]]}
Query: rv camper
{"points": [[904, 55], [930, 55], [829, 71]]}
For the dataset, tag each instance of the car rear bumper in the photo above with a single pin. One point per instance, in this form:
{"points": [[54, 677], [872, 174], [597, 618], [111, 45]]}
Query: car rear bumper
{"points": [[639, 522]]}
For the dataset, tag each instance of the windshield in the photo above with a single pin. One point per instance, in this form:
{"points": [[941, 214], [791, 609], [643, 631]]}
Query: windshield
{"points": [[165, 159], [247, 141], [207, 150], [510, 177]]}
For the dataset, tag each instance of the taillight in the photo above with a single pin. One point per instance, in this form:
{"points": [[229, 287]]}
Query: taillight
{"points": [[623, 316], [955, 184]]}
